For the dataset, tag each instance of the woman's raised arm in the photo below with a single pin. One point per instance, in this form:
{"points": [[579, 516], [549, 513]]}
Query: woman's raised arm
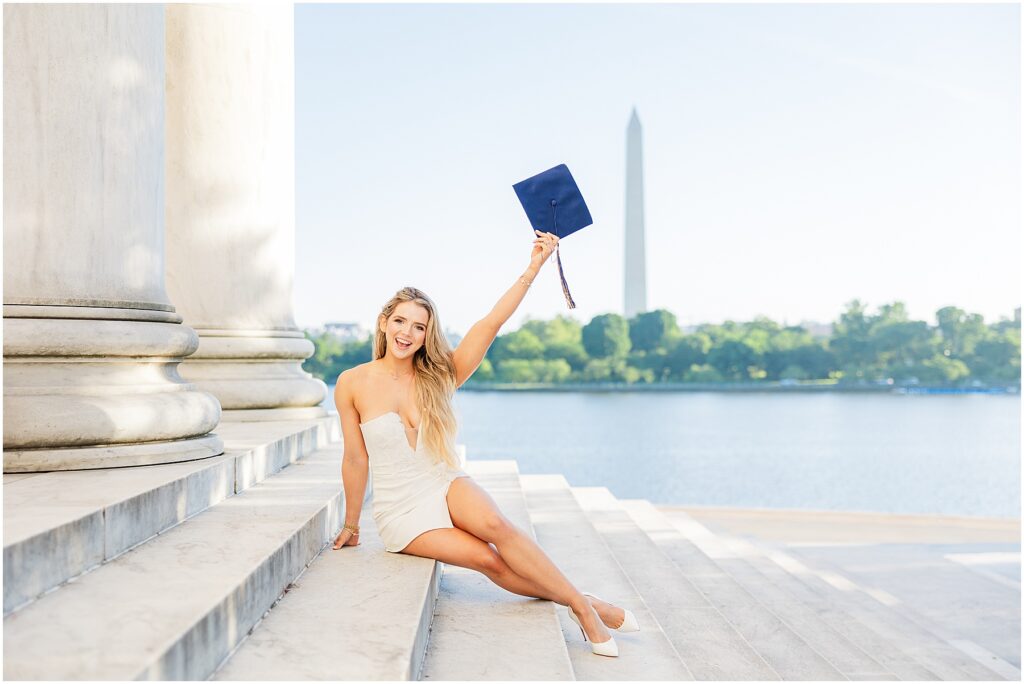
{"points": [[474, 345]]}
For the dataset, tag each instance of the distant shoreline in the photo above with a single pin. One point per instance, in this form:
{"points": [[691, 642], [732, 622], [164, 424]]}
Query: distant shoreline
{"points": [[726, 387]]}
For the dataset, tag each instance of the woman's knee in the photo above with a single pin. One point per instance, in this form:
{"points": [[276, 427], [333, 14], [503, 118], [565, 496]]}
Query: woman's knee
{"points": [[495, 528], [490, 563]]}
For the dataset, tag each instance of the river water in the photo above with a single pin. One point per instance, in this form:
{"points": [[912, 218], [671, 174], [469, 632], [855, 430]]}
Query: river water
{"points": [[889, 453]]}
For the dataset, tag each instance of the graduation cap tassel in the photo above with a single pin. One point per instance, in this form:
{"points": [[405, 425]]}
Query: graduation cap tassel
{"points": [[565, 285], [558, 257]]}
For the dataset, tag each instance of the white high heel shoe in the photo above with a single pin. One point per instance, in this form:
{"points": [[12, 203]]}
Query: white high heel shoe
{"points": [[629, 623], [605, 648]]}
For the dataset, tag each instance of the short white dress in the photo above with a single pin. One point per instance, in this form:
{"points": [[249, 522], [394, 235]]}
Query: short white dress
{"points": [[409, 489]]}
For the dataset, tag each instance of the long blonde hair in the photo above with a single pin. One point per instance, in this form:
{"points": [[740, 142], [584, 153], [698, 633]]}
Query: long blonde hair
{"points": [[434, 367]]}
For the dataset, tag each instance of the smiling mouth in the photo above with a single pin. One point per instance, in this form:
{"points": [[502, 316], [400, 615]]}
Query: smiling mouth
{"points": [[404, 345]]}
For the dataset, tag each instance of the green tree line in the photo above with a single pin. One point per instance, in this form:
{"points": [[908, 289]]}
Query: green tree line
{"points": [[958, 349]]}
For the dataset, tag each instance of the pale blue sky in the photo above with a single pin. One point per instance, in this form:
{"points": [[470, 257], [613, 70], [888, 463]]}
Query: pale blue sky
{"points": [[796, 156]]}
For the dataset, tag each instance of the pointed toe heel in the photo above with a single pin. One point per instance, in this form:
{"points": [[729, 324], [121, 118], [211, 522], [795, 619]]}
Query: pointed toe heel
{"points": [[629, 622], [605, 648]]}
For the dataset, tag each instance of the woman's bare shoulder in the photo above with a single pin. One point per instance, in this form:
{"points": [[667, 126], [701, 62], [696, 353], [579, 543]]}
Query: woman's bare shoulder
{"points": [[355, 375], [355, 378]]}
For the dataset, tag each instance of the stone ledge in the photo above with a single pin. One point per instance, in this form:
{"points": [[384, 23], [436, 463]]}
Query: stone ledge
{"points": [[174, 607], [58, 525]]}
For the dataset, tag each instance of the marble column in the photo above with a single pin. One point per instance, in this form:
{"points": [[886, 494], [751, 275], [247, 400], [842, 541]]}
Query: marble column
{"points": [[91, 341], [231, 207]]}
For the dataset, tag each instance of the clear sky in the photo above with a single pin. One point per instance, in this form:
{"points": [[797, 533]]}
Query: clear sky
{"points": [[795, 156]]}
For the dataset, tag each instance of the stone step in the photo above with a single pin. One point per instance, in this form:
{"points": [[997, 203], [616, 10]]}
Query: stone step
{"points": [[783, 648], [908, 655], [358, 613], [883, 651], [802, 616], [707, 642], [581, 554], [834, 637], [174, 607], [483, 632], [58, 525], [892, 620]]}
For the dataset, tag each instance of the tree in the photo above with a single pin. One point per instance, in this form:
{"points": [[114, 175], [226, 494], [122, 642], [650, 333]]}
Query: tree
{"points": [[607, 335], [901, 344], [520, 344], [651, 330], [562, 338], [940, 370], [997, 358], [687, 351], [614, 369], [484, 372], [655, 361], [851, 340], [331, 356], [960, 331], [733, 359], [780, 350]]}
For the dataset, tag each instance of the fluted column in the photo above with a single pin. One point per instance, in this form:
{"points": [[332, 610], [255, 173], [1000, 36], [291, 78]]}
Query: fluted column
{"points": [[91, 340], [231, 206]]}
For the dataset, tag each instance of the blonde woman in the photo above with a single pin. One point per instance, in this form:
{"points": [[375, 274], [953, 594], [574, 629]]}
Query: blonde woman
{"points": [[396, 414]]}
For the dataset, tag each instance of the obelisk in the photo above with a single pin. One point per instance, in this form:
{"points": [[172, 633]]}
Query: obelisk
{"points": [[635, 296]]}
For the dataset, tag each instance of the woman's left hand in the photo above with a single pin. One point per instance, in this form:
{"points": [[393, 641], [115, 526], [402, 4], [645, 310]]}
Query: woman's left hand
{"points": [[543, 245]]}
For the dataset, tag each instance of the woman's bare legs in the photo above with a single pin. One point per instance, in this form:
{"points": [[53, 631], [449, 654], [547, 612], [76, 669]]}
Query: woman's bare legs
{"points": [[474, 511], [458, 547]]}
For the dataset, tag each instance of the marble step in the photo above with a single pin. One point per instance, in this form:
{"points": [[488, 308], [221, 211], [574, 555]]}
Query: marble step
{"points": [[886, 653], [884, 614], [708, 643], [579, 551], [482, 632], [174, 607], [358, 613], [798, 614], [783, 648], [903, 653], [58, 525]]}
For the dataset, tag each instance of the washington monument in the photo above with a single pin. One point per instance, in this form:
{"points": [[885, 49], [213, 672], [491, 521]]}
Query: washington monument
{"points": [[636, 262]]}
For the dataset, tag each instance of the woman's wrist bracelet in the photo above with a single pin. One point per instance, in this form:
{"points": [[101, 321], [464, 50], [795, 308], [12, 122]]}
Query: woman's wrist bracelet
{"points": [[524, 281]]}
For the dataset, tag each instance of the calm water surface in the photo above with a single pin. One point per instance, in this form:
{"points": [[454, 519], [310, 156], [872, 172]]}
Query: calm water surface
{"points": [[951, 455]]}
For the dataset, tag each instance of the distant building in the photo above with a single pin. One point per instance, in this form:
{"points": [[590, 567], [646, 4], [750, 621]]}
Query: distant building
{"points": [[817, 329], [453, 338], [346, 332]]}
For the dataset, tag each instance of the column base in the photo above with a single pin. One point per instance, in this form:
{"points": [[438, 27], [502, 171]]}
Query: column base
{"points": [[112, 456], [287, 413]]}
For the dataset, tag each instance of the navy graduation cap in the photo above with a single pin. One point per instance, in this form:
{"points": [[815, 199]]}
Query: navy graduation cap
{"points": [[554, 204]]}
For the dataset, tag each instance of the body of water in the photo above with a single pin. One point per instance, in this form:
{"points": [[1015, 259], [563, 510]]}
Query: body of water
{"points": [[889, 453]]}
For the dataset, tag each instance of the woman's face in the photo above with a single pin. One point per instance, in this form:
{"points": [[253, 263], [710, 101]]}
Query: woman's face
{"points": [[408, 323]]}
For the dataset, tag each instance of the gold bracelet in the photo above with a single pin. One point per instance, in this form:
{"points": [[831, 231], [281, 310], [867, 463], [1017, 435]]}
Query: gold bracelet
{"points": [[524, 281], [354, 529]]}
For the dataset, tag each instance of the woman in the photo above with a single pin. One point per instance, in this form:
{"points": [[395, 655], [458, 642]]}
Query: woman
{"points": [[396, 413]]}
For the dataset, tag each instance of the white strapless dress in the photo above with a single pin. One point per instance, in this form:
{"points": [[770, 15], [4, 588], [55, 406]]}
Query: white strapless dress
{"points": [[409, 489]]}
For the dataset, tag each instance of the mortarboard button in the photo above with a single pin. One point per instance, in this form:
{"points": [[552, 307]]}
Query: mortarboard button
{"points": [[553, 204]]}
